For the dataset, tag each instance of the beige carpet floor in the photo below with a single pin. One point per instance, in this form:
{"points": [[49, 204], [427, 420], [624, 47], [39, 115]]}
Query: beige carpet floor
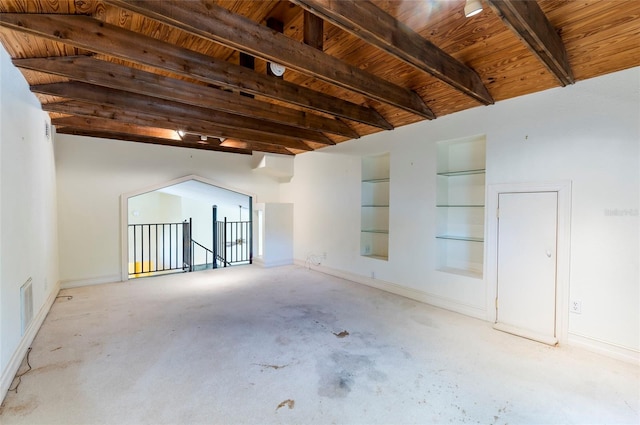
{"points": [[288, 345]]}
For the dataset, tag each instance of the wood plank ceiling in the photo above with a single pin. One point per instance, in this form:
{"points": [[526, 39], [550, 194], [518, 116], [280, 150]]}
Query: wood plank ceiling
{"points": [[197, 73]]}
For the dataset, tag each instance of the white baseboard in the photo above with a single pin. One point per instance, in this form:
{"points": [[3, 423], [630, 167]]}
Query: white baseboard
{"points": [[605, 348], [525, 333], [9, 373], [66, 284], [595, 345], [414, 294], [268, 264]]}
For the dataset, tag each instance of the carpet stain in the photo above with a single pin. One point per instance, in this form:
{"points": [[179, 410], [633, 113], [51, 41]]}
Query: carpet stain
{"points": [[339, 374], [283, 340], [56, 366], [271, 366], [20, 409], [289, 403], [307, 316], [341, 334]]}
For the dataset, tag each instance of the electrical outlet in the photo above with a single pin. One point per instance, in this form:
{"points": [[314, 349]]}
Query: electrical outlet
{"points": [[324, 255], [373, 275], [575, 306]]}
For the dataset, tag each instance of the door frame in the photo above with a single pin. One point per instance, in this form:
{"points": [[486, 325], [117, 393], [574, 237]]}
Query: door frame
{"points": [[563, 257]]}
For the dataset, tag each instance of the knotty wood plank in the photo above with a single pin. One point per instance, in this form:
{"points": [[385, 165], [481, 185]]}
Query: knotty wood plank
{"points": [[365, 20], [563, 13], [106, 74], [149, 119], [215, 23], [528, 21], [96, 36], [598, 58]]}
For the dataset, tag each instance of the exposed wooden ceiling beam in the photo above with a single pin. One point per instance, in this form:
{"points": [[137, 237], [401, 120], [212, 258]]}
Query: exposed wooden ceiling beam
{"points": [[313, 30], [239, 144], [129, 137], [90, 70], [108, 125], [528, 21], [99, 127], [96, 36], [146, 119], [262, 147], [220, 25], [136, 102], [365, 20], [277, 26]]}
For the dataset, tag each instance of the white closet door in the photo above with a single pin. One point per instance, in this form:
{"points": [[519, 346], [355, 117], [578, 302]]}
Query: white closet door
{"points": [[527, 241]]}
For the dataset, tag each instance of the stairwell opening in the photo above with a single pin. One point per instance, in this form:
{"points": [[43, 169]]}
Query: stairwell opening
{"points": [[190, 224]]}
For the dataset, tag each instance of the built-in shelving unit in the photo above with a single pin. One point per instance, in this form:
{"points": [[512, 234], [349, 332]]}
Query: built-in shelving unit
{"points": [[460, 202], [374, 210]]}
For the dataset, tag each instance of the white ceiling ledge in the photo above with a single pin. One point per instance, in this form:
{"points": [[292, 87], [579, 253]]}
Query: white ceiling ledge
{"points": [[279, 167]]}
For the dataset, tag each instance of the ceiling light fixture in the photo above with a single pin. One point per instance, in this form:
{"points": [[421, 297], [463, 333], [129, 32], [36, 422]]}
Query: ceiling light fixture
{"points": [[277, 69], [472, 8], [203, 138]]}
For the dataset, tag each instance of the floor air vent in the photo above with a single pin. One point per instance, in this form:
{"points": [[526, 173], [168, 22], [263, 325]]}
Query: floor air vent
{"points": [[26, 305]]}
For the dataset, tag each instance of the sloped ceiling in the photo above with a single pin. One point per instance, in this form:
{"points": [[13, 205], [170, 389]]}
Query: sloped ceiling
{"points": [[197, 73]]}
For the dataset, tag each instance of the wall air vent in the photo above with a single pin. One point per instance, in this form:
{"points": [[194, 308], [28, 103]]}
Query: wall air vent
{"points": [[26, 305]]}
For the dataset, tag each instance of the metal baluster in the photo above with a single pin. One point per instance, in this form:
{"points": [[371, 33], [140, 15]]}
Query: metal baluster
{"points": [[225, 241], [156, 226], [135, 248], [250, 236]]}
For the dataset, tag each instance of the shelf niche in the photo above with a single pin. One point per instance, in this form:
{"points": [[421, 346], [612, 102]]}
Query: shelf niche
{"points": [[374, 207], [460, 204]]}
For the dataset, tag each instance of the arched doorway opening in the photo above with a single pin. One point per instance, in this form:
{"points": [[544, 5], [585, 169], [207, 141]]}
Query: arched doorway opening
{"points": [[188, 224]]}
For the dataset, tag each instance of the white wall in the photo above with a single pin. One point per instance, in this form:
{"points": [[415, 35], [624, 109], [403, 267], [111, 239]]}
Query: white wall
{"points": [[588, 133], [277, 235], [28, 236], [93, 173], [154, 207]]}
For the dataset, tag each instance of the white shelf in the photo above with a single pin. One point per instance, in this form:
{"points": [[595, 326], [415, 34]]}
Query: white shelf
{"points": [[376, 257], [462, 272], [379, 180], [374, 210], [460, 238], [462, 173], [460, 203]]}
